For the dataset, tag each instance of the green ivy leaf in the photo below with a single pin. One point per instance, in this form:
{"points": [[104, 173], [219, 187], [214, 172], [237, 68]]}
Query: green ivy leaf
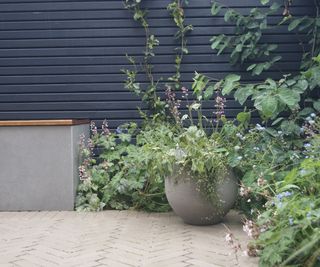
{"points": [[230, 82]]}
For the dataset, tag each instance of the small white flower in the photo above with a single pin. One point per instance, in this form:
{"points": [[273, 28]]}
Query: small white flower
{"points": [[259, 127], [229, 238], [242, 191]]}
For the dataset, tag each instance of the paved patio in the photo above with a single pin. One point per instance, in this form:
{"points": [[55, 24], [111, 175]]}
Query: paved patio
{"points": [[113, 238]]}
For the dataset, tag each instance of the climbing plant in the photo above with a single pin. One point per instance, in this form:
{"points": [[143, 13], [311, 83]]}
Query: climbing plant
{"points": [[177, 13], [245, 44], [149, 94], [270, 97]]}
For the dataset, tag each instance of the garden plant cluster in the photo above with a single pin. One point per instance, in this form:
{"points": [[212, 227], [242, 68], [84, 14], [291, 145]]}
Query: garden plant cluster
{"points": [[276, 159]]}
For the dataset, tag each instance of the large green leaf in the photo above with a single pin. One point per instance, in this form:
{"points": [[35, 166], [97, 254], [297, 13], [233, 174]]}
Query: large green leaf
{"points": [[269, 106], [243, 93], [289, 97], [290, 127], [208, 92], [230, 82], [294, 24]]}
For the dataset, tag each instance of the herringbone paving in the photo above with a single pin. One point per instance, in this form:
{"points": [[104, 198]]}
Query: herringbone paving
{"points": [[115, 238]]}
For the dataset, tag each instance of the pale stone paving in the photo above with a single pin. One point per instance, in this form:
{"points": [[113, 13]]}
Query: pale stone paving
{"points": [[113, 238]]}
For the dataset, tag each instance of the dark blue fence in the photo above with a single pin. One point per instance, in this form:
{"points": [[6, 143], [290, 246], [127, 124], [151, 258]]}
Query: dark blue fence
{"points": [[63, 59]]}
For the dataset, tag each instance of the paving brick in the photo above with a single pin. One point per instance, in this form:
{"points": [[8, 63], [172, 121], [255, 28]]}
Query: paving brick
{"points": [[114, 238]]}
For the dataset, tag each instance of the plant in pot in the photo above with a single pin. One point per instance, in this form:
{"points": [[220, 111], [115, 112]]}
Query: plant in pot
{"points": [[200, 184]]}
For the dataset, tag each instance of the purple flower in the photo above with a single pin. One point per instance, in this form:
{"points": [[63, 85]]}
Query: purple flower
{"points": [[184, 92], [219, 105], [118, 130], [173, 103], [287, 194], [284, 194], [105, 128]]}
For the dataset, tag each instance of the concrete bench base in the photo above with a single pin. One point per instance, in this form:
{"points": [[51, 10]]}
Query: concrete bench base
{"points": [[39, 164]]}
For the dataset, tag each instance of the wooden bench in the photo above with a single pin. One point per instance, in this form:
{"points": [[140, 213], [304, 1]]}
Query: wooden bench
{"points": [[39, 162]]}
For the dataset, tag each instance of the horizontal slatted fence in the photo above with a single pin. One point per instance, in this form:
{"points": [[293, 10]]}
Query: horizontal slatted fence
{"points": [[63, 59]]}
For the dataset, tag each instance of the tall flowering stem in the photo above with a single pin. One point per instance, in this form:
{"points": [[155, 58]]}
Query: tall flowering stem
{"points": [[173, 104]]}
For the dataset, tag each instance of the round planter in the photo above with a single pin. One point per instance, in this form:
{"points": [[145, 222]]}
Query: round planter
{"points": [[188, 203]]}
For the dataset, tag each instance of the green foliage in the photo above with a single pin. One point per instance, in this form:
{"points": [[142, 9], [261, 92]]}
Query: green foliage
{"points": [[177, 12], [120, 178], [270, 98], [148, 93], [245, 45], [280, 188], [292, 220], [310, 27], [193, 150], [277, 161]]}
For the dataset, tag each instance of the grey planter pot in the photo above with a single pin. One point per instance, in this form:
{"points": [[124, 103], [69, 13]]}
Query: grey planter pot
{"points": [[188, 203]]}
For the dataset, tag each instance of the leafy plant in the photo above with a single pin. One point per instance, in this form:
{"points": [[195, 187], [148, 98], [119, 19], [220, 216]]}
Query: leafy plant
{"points": [[310, 28], [292, 220], [271, 97], [177, 13], [245, 44], [148, 94], [120, 178]]}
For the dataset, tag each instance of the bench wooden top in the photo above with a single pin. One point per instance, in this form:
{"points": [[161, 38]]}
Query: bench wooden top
{"points": [[64, 122]]}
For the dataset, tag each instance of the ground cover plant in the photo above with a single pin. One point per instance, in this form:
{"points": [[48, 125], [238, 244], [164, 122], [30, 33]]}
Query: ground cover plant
{"points": [[277, 159]]}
